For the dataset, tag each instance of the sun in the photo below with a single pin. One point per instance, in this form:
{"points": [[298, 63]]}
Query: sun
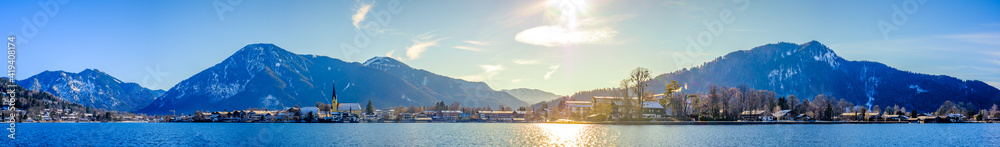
{"points": [[566, 12]]}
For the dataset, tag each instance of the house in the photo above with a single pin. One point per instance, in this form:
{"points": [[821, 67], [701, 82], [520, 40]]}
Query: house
{"points": [[783, 115], [501, 116], [895, 117], [803, 117], [450, 114], [579, 107], [928, 119], [754, 115], [956, 117], [354, 108], [305, 111], [849, 116], [872, 116], [421, 117], [651, 107], [653, 110]]}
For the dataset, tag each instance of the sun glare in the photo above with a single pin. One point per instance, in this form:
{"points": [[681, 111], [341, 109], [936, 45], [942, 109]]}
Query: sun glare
{"points": [[564, 134]]}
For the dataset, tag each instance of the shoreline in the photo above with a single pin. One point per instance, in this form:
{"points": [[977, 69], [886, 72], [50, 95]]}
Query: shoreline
{"points": [[731, 122], [626, 123]]}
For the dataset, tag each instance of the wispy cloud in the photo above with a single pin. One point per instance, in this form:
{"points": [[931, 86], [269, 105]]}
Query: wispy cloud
{"points": [[391, 53], [360, 12], [420, 44], [980, 38], [994, 61], [552, 70], [525, 61], [517, 80], [489, 71], [475, 46], [478, 42], [469, 48]]}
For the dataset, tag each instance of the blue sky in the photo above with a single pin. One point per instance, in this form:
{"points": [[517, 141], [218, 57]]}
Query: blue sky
{"points": [[562, 46]]}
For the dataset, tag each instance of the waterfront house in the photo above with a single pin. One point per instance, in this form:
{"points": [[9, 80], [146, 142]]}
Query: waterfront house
{"points": [[451, 115], [928, 119], [653, 110], [802, 117], [849, 116], [579, 107], [754, 115], [894, 117], [385, 114], [651, 107], [783, 115], [501, 116], [421, 117], [353, 108], [305, 111], [871, 116], [956, 117]]}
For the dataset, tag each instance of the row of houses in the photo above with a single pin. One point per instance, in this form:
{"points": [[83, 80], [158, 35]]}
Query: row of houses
{"points": [[650, 108]]}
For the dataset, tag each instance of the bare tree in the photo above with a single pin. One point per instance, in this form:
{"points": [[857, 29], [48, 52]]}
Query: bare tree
{"points": [[638, 84]]}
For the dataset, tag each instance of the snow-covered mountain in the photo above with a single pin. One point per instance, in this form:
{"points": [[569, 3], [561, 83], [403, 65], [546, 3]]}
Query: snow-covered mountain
{"points": [[811, 69], [92, 88], [445, 88], [531, 96], [267, 76]]}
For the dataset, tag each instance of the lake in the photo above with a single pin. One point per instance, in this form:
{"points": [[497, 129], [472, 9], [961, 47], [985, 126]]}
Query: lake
{"points": [[499, 134]]}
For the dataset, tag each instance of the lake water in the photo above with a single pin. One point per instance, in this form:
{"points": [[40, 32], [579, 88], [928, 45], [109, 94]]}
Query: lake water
{"points": [[499, 134]]}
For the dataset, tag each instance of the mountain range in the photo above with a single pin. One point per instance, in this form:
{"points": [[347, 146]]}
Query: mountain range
{"points": [[267, 76], [93, 88], [531, 96], [810, 69]]}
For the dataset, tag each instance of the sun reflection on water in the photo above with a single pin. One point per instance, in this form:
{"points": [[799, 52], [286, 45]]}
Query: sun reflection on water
{"points": [[568, 134]]}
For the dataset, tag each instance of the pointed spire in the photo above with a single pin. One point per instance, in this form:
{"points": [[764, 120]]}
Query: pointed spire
{"points": [[334, 97]]}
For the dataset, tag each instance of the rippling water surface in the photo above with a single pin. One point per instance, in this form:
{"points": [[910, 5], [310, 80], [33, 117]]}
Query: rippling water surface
{"points": [[500, 134]]}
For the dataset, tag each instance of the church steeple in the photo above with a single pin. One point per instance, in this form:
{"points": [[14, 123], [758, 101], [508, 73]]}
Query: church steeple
{"points": [[334, 93]]}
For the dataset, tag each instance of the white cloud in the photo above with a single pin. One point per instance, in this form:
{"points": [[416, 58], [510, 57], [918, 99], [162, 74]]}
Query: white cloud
{"points": [[980, 38], [517, 80], [549, 74], [997, 62], [571, 30], [489, 71], [477, 42], [525, 62], [560, 36], [420, 44], [359, 13], [469, 48], [391, 53]]}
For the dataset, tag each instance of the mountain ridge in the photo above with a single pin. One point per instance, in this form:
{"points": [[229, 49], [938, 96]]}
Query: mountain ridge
{"points": [[811, 69], [267, 76], [93, 88]]}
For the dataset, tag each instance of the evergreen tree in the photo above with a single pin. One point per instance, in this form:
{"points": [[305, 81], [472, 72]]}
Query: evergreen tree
{"points": [[369, 108], [829, 112]]}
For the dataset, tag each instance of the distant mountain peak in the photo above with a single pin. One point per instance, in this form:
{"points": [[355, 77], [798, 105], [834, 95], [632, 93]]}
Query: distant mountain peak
{"points": [[385, 63], [92, 88], [531, 96], [810, 69]]}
